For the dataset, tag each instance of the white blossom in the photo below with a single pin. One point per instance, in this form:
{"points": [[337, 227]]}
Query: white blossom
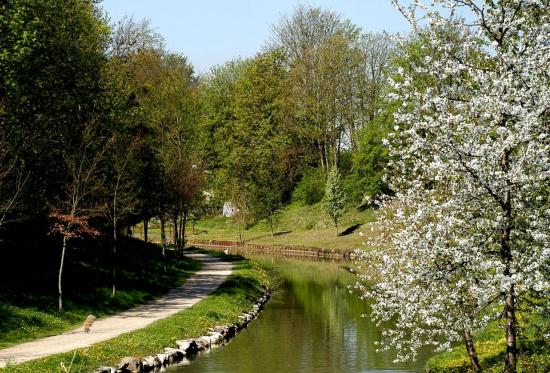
{"points": [[470, 159]]}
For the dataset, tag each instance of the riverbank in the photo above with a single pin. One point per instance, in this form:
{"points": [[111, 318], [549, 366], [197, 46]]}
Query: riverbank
{"points": [[224, 306], [241, 248]]}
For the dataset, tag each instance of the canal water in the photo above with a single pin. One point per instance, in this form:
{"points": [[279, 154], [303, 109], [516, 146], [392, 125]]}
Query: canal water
{"points": [[311, 324]]}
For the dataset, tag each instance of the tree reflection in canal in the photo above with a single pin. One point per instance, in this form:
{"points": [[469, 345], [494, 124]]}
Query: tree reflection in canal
{"points": [[312, 324]]}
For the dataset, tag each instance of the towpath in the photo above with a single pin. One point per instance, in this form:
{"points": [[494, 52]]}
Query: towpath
{"points": [[198, 286]]}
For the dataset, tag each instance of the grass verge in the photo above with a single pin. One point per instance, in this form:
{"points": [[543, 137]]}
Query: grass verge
{"points": [[533, 347], [235, 295]]}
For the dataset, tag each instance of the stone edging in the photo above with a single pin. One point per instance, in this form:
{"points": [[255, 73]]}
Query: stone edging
{"points": [[280, 250], [216, 337]]}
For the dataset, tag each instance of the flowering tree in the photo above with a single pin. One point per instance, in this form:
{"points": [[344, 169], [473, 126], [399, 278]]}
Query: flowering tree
{"points": [[467, 232]]}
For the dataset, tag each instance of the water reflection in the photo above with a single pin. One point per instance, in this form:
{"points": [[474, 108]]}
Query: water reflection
{"points": [[311, 324]]}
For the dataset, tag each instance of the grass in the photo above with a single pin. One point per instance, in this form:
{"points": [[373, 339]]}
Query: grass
{"points": [[533, 356], [28, 301], [295, 225], [235, 295]]}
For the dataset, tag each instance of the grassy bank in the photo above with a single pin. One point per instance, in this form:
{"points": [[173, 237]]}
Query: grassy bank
{"points": [[294, 225], [533, 355], [236, 294], [28, 294]]}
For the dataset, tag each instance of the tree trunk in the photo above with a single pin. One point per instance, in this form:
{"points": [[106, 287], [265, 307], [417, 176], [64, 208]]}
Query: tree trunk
{"points": [[510, 314], [145, 230], [470, 348], [507, 258], [60, 276], [321, 157], [176, 236], [337, 153], [326, 154], [336, 224], [509, 305], [182, 231], [271, 223], [163, 242], [115, 243]]}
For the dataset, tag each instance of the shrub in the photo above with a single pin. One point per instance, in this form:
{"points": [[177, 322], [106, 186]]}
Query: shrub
{"points": [[311, 187]]}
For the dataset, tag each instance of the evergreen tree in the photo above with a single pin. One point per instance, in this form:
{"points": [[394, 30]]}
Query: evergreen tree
{"points": [[334, 200]]}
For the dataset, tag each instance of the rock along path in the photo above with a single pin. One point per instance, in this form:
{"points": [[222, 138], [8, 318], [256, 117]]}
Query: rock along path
{"points": [[197, 287]]}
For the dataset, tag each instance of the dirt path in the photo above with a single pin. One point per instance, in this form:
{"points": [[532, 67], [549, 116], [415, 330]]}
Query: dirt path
{"points": [[198, 286]]}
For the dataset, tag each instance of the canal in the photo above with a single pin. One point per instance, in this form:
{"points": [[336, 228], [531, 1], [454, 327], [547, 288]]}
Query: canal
{"points": [[311, 324]]}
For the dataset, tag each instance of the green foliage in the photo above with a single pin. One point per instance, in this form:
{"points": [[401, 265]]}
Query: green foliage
{"points": [[298, 106], [247, 145], [370, 160], [60, 73], [311, 188], [334, 200], [51, 54]]}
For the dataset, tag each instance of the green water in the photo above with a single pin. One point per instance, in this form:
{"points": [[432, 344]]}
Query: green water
{"points": [[311, 324]]}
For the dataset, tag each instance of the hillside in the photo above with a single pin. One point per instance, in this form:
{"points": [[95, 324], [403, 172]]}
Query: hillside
{"points": [[295, 225]]}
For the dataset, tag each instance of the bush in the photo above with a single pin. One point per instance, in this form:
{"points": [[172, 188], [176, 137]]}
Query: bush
{"points": [[369, 164], [311, 187]]}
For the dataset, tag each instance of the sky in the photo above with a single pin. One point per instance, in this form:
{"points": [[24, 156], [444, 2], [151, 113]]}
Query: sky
{"points": [[211, 32]]}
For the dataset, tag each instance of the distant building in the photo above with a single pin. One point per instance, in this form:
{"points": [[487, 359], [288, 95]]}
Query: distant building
{"points": [[229, 209], [207, 196]]}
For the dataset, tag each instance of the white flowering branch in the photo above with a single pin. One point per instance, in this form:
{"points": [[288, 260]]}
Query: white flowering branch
{"points": [[467, 231]]}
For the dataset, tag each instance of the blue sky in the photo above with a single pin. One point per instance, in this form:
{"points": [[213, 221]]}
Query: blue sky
{"points": [[211, 32]]}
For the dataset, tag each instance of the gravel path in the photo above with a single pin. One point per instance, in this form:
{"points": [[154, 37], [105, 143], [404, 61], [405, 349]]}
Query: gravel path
{"points": [[212, 274]]}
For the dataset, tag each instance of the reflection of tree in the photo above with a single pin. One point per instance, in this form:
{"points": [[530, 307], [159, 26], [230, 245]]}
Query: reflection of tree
{"points": [[320, 291], [312, 324]]}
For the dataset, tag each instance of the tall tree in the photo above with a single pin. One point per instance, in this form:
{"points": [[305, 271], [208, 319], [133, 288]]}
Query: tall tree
{"points": [[72, 212], [135, 57], [50, 68], [307, 29], [318, 46], [259, 140], [251, 145], [216, 96], [120, 190], [377, 54], [175, 113]]}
